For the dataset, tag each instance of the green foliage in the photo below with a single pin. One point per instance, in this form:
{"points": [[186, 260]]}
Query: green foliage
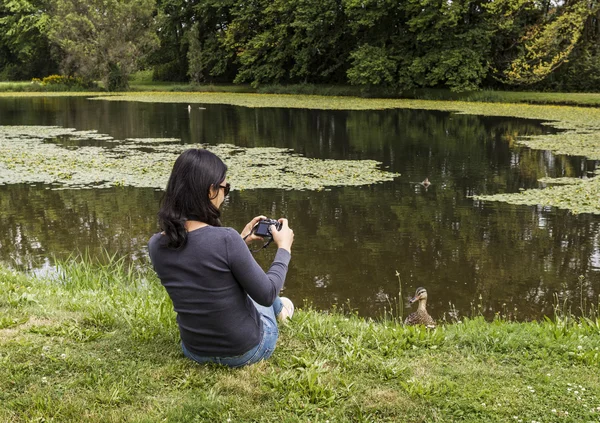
{"points": [[207, 59], [549, 43], [117, 78], [461, 45], [580, 73], [451, 44], [371, 66], [169, 61], [25, 50], [260, 34], [103, 39]]}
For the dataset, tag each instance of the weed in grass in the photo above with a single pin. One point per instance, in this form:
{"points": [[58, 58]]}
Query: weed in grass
{"points": [[10, 321], [396, 305], [68, 329]]}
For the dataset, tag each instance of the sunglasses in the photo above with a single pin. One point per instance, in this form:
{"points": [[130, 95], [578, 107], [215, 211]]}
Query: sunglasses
{"points": [[226, 188]]}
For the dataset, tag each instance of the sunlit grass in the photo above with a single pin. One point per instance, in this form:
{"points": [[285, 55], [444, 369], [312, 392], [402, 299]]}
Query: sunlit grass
{"points": [[28, 87], [142, 81], [98, 341]]}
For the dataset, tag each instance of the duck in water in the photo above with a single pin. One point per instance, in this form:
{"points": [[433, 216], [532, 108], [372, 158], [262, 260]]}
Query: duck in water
{"points": [[426, 183], [420, 317]]}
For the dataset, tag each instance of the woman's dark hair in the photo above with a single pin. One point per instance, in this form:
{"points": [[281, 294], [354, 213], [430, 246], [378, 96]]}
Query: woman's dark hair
{"points": [[194, 173]]}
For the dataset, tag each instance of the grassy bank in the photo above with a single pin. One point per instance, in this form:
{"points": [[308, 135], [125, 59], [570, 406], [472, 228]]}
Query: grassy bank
{"points": [[100, 344], [144, 83], [29, 87]]}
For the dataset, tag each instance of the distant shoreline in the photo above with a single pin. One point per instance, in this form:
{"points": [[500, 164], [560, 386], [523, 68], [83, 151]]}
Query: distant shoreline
{"points": [[528, 97]]}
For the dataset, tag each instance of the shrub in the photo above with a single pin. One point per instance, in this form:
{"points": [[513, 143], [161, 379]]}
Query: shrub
{"points": [[9, 72], [117, 79], [62, 80], [63, 83]]}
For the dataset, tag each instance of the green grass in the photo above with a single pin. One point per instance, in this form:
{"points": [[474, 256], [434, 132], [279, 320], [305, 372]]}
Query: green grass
{"points": [[28, 87], [24, 86], [142, 81], [100, 344], [490, 96]]}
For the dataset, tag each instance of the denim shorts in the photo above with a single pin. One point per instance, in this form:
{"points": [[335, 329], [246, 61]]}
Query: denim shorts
{"points": [[264, 349]]}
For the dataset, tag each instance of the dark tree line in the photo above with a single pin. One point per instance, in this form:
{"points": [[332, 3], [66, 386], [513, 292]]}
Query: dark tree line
{"points": [[401, 44]]}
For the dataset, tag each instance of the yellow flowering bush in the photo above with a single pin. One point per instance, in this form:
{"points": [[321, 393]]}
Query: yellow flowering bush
{"points": [[62, 80]]}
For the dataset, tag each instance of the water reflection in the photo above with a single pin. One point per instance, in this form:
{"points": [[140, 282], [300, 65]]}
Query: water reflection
{"points": [[349, 241]]}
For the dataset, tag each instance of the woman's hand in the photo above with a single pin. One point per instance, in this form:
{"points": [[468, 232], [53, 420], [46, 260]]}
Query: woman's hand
{"points": [[248, 230], [284, 238]]}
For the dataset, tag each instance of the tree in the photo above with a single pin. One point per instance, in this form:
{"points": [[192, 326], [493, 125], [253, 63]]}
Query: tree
{"points": [[209, 59], [419, 43], [371, 66], [174, 20], [104, 39], [550, 42], [448, 45], [289, 41], [25, 50], [260, 34]]}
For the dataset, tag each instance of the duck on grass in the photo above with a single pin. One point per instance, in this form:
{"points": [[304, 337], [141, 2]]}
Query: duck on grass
{"points": [[420, 317]]}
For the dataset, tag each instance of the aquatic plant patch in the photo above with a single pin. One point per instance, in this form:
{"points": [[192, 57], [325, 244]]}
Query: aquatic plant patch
{"points": [[581, 126], [560, 116], [577, 195], [27, 157], [580, 136]]}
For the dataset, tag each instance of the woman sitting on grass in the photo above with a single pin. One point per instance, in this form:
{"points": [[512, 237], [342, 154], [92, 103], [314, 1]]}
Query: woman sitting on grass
{"points": [[227, 306]]}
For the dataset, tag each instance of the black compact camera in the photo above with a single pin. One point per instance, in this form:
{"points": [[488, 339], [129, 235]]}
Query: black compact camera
{"points": [[263, 227]]}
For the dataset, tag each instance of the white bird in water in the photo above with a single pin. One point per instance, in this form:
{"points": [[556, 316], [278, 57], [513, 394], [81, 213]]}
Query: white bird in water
{"points": [[189, 108]]}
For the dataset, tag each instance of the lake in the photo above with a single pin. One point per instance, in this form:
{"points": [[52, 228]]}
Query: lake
{"points": [[349, 241]]}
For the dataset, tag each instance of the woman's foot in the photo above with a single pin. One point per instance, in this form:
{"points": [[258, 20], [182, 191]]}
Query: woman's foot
{"points": [[287, 311]]}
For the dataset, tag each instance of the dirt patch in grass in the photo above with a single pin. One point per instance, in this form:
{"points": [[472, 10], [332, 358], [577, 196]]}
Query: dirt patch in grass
{"points": [[14, 331]]}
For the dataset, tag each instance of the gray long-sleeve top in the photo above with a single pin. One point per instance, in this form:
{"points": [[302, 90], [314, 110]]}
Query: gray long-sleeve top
{"points": [[209, 281]]}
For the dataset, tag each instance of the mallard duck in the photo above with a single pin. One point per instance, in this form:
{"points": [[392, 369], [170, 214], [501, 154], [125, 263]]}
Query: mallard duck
{"points": [[420, 317]]}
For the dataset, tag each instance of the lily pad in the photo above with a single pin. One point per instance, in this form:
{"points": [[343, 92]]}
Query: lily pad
{"points": [[25, 157], [580, 136], [579, 197]]}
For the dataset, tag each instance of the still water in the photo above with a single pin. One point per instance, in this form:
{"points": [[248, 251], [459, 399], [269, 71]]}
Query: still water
{"points": [[349, 241]]}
